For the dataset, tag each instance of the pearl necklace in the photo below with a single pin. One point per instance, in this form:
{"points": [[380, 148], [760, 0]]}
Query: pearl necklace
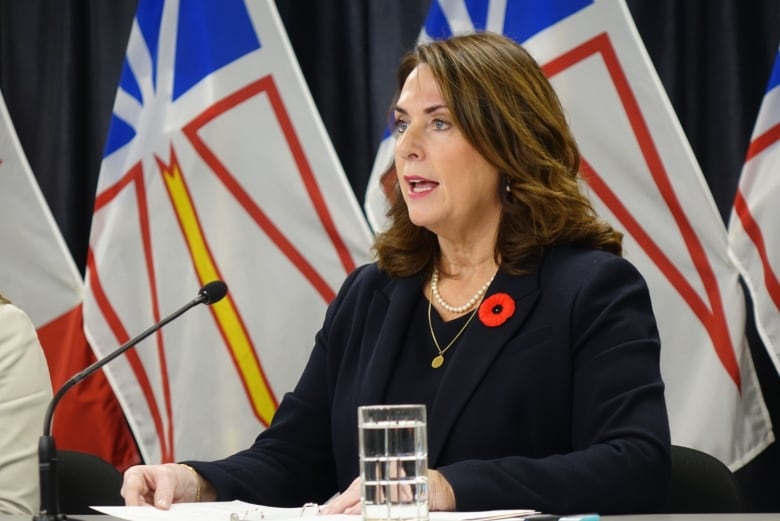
{"points": [[456, 309]]}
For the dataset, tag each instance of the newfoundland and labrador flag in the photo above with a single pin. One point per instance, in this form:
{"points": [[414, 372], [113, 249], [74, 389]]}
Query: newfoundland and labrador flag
{"points": [[216, 166], [642, 176], [755, 216]]}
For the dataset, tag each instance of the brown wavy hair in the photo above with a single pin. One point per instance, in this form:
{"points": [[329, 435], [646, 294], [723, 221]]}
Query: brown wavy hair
{"points": [[4, 300], [507, 109]]}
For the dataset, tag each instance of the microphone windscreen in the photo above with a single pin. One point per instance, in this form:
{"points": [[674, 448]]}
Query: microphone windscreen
{"points": [[213, 292]]}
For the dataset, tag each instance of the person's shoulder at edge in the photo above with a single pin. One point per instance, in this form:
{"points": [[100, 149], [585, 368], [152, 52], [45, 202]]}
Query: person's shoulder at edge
{"points": [[26, 392], [15, 322], [19, 344]]}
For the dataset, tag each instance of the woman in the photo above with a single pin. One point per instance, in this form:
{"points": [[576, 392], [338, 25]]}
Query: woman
{"points": [[25, 392], [498, 299]]}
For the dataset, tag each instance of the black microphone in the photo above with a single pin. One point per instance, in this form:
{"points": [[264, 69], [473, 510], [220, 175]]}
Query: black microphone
{"points": [[47, 451]]}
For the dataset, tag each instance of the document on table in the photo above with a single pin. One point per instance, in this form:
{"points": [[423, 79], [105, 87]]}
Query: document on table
{"points": [[211, 511], [241, 511]]}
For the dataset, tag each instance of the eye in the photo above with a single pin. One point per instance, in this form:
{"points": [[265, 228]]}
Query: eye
{"points": [[400, 126], [440, 124]]}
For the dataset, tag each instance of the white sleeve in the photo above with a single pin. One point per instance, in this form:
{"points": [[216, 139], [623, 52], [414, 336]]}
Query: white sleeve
{"points": [[25, 392]]}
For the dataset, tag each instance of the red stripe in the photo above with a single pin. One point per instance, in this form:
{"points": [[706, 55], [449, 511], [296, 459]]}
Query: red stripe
{"points": [[266, 85], [315, 194], [167, 449], [108, 195], [750, 225], [714, 318], [134, 177], [763, 141], [753, 230]]}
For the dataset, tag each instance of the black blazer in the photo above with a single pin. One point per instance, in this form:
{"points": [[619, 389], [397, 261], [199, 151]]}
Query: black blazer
{"points": [[561, 408]]}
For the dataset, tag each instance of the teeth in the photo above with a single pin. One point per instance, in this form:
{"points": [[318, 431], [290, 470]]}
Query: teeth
{"points": [[419, 187]]}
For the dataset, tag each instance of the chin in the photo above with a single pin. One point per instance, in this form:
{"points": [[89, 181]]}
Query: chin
{"points": [[419, 220], [423, 217]]}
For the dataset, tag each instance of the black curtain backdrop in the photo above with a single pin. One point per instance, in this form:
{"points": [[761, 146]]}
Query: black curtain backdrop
{"points": [[60, 62]]}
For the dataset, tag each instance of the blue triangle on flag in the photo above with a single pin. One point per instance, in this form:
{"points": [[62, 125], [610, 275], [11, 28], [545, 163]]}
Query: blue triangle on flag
{"points": [[211, 34], [119, 133], [525, 18]]}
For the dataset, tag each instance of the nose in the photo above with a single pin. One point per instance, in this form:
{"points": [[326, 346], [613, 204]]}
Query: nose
{"points": [[409, 145]]}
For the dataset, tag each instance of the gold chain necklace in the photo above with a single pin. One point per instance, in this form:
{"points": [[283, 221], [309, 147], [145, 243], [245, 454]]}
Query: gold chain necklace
{"points": [[438, 360]]}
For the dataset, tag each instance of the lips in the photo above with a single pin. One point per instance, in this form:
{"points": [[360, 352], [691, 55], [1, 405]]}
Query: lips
{"points": [[420, 185]]}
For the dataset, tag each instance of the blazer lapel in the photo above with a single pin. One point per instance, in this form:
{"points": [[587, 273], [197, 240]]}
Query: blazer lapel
{"points": [[389, 315], [478, 347]]}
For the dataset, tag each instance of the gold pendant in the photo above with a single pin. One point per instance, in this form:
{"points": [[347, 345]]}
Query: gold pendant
{"points": [[437, 361]]}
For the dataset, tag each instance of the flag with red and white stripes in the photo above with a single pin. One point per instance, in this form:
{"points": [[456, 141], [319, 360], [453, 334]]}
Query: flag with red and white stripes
{"points": [[755, 216]]}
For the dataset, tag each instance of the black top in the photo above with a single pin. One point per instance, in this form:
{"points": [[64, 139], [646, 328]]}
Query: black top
{"points": [[414, 362]]}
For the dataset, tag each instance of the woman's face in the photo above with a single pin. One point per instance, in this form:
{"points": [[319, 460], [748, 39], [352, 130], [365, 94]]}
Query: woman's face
{"points": [[448, 186]]}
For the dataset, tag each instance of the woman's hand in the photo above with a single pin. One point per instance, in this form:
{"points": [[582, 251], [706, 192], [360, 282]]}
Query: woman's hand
{"points": [[440, 496], [162, 485], [348, 502]]}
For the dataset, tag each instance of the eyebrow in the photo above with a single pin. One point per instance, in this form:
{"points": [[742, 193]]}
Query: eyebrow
{"points": [[428, 110]]}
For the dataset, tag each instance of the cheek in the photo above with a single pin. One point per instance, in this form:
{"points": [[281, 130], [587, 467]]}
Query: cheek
{"points": [[483, 178]]}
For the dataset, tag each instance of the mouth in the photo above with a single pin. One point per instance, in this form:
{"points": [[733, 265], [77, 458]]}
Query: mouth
{"points": [[420, 185]]}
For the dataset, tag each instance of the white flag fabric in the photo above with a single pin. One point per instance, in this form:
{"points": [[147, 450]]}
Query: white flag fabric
{"points": [[755, 216], [639, 169], [37, 271], [38, 274], [217, 166]]}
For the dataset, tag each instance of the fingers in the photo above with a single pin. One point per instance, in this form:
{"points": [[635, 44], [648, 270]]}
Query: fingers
{"points": [[440, 493], [155, 485], [348, 502], [135, 488], [166, 481]]}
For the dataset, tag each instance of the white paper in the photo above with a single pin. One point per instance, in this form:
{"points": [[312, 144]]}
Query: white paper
{"points": [[222, 510]]}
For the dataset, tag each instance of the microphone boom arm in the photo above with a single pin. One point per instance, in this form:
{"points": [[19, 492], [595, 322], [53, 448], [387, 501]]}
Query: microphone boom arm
{"points": [[73, 380], [47, 450]]}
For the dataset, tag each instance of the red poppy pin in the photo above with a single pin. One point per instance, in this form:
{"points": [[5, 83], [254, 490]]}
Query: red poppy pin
{"points": [[496, 309]]}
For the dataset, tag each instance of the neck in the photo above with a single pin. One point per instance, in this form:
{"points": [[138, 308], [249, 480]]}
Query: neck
{"points": [[461, 259], [465, 268]]}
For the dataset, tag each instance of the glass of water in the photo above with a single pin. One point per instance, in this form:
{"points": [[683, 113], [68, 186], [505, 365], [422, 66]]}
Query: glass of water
{"points": [[393, 462]]}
